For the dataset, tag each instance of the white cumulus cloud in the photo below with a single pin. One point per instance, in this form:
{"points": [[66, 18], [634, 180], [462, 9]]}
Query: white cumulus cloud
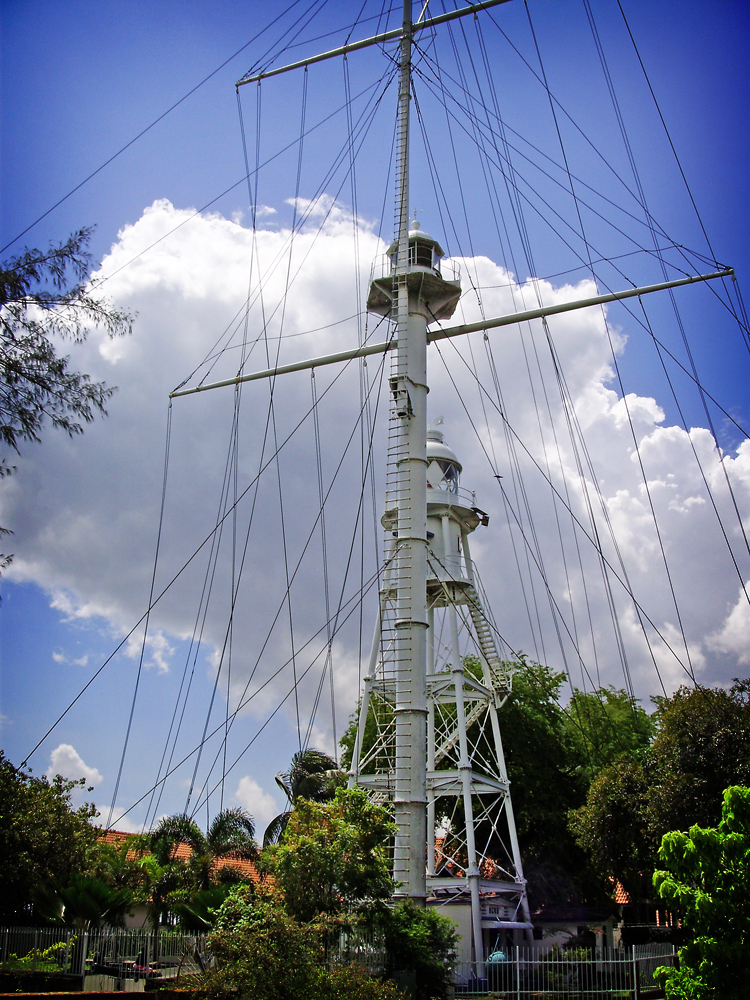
{"points": [[261, 806], [67, 762]]}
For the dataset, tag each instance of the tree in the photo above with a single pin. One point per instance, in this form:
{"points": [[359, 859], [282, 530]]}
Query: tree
{"points": [[43, 839], [261, 951], [702, 742], [117, 864], [601, 726], [231, 834], [613, 827], [706, 879], [85, 902], [423, 941], [332, 857], [548, 753], [311, 776], [45, 298], [169, 885]]}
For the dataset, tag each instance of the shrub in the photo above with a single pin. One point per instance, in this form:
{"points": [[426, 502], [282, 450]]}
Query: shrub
{"points": [[422, 941], [261, 952], [351, 982]]}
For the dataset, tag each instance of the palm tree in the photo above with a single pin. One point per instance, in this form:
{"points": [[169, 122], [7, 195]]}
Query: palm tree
{"points": [[232, 833], [312, 776], [85, 902]]}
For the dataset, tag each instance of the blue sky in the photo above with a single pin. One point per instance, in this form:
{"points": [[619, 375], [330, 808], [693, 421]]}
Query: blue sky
{"points": [[80, 80]]}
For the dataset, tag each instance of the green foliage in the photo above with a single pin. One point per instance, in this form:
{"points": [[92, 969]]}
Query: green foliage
{"points": [[261, 952], [43, 839], [39, 303], [421, 940], [682, 984], [117, 864], [351, 982], [167, 885], [706, 878], [50, 959], [83, 902], [196, 911], [613, 826], [231, 833], [332, 856], [159, 883], [545, 784], [702, 743], [603, 725]]}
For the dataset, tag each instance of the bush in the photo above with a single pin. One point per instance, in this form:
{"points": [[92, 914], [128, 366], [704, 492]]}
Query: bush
{"points": [[351, 982], [422, 941], [261, 953]]}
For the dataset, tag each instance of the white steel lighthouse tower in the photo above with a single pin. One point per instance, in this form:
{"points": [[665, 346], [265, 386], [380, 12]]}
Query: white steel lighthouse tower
{"points": [[429, 732]]}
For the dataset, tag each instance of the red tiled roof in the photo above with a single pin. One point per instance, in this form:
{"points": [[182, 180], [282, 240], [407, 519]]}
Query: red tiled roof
{"points": [[183, 852]]}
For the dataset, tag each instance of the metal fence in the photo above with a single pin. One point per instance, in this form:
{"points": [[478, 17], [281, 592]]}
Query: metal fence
{"points": [[106, 958], [583, 974], [357, 947], [110, 959]]}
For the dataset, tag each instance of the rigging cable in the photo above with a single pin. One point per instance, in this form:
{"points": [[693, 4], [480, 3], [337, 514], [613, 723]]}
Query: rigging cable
{"points": [[147, 615], [621, 580], [626, 141], [616, 368], [188, 562], [527, 248], [149, 127], [342, 604]]}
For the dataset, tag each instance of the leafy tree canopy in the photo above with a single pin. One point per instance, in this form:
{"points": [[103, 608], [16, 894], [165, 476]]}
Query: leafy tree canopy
{"points": [[261, 951], [43, 839], [702, 742], [601, 726], [422, 940], [552, 753], [332, 856], [706, 879], [231, 833]]}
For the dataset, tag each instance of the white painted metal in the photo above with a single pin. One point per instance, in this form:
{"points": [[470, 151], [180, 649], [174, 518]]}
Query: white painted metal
{"points": [[409, 390], [466, 778], [385, 36]]}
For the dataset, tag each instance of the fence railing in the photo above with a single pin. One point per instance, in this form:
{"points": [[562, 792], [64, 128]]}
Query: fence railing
{"points": [[584, 974], [106, 957], [125, 959], [357, 948]]}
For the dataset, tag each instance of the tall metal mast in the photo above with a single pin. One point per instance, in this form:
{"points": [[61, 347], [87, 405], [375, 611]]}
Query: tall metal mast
{"points": [[408, 442], [424, 749]]}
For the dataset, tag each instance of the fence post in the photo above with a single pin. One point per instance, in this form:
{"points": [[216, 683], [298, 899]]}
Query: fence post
{"points": [[5, 947], [84, 952], [518, 974], [636, 980]]}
